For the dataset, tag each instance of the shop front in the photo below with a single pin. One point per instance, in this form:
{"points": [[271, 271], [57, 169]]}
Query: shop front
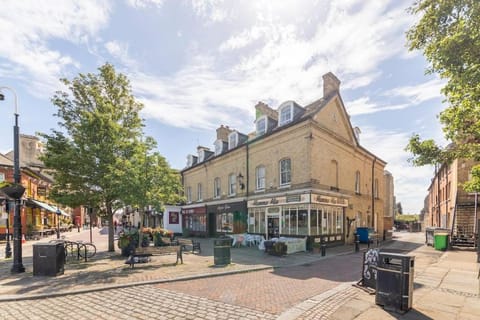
{"points": [[311, 215], [227, 218], [194, 221]]}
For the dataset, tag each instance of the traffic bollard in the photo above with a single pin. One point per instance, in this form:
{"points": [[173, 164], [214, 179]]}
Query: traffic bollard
{"points": [[323, 248]]}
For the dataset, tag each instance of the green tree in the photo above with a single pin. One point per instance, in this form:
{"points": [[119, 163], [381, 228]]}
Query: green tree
{"points": [[448, 33], [94, 159], [151, 181]]}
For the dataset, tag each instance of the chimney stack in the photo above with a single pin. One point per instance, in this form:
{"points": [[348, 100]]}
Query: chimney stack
{"points": [[331, 84]]}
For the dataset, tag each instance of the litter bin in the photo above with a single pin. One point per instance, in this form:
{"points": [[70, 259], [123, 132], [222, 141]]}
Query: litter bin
{"points": [[221, 251], [441, 241], [429, 236], [48, 259], [395, 281]]}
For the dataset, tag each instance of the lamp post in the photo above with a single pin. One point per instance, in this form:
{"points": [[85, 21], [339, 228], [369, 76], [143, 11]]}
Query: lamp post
{"points": [[17, 221], [58, 222]]}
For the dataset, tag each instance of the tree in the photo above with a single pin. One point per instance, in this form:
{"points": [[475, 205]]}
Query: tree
{"points": [[151, 181], [94, 161], [448, 32]]}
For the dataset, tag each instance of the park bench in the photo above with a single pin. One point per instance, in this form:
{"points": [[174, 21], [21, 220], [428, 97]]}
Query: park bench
{"points": [[142, 254], [190, 243]]}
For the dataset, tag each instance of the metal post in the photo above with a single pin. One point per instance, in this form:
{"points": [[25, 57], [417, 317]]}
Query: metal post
{"points": [[323, 249], [58, 223], [8, 249], [357, 243], [17, 220]]}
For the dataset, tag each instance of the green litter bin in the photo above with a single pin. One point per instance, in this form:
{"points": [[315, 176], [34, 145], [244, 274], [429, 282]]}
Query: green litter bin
{"points": [[441, 241]]}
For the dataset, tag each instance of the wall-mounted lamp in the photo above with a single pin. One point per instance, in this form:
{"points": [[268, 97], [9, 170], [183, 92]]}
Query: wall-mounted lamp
{"points": [[240, 181]]}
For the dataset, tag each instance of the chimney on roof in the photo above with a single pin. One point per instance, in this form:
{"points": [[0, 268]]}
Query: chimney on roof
{"points": [[331, 84], [223, 132], [263, 109]]}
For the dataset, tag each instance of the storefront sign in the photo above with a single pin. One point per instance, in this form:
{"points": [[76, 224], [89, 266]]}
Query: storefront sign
{"points": [[329, 200], [173, 218]]}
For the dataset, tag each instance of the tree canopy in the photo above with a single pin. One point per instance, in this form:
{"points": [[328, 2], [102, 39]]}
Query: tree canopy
{"points": [[448, 33], [96, 157]]}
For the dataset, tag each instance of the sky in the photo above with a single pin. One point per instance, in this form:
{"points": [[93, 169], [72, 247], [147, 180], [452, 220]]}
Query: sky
{"points": [[196, 65]]}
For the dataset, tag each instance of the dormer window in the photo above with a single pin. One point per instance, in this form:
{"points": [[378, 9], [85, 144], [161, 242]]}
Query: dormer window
{"points": [[218, 147], [261, 125], [232, 140], [286, 114], [191, 160]]}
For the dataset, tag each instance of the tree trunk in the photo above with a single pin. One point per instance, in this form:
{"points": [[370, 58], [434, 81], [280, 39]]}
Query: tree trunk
{"points": [[111, 244]]}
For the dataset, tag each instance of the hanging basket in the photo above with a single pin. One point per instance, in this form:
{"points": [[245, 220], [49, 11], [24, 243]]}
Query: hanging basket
{"points": [[13, 190]]}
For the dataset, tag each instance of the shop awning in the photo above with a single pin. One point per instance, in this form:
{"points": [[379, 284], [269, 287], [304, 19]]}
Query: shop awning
{"points": [[47, 207]]}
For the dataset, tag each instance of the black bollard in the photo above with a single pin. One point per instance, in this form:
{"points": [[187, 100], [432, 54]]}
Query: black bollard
{"points": [[323, 248], [357, 243]]}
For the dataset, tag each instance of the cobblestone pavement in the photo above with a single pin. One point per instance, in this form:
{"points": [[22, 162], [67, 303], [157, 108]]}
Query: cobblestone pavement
{"points": [[142, 302]]}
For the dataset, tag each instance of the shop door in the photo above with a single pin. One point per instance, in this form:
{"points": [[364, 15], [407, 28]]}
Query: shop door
{"points": [[272, 231], [212, 224]]}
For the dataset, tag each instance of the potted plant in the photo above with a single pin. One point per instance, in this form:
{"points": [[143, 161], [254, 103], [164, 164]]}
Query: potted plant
{"points": [[279, 249], [127, 241], [316, 246]]}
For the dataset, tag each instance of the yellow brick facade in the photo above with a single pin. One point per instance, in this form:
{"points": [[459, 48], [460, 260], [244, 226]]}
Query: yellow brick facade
{"points": [[325, 161]]}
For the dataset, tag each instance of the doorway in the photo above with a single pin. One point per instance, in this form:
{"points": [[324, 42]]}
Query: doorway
{"points": [[273, 227]]}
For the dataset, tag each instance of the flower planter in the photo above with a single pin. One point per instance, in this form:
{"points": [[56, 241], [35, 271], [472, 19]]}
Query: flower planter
{"points": [[14, 191]]}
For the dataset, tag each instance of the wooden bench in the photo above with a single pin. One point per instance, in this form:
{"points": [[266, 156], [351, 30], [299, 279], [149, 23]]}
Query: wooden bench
{"points": [[142, 254], [189, 242]]}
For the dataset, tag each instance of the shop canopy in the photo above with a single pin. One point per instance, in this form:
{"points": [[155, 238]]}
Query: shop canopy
{"points": [[47, 207]]}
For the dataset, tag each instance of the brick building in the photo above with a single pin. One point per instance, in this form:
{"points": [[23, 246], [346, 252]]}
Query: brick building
{"points": [[302, 172]]}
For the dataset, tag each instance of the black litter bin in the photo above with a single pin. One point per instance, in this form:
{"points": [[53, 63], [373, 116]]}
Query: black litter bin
{"points": [[221, 251], [48, 259], [395, 281]]}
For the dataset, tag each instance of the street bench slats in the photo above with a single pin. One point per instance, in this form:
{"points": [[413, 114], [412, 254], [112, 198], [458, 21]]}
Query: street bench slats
{"points": [[195, 245], [142, 254]]}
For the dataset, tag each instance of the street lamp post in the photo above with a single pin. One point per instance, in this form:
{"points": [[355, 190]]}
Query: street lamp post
{"points": [[17, 221], [8, 249], [58, 222]]}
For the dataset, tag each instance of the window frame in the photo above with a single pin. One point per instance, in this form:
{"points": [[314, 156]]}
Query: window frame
{"points": [[357, 182], [281, 121], [218, 147], [259, 179], [257, 122], [217, 188], [199, 192], [235, 142], [188, 194], [232, 184], [288, 173]]}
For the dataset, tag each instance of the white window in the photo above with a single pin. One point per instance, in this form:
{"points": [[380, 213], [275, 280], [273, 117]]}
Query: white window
{"points": [[232, 140], [2, 176], [199, 192], [261, 125], [218, 147], [191, 160], [216, 188], [232, 184], [285, 172], [260, 177], [286, 114], [357, 182], [201, 155], [189, 194], [375, 189]]}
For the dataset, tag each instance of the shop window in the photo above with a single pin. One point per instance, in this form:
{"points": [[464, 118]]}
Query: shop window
{"points": [[225, 222]]}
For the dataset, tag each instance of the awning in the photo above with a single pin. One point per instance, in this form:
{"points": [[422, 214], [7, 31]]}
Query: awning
{"points": [[47, 207]]}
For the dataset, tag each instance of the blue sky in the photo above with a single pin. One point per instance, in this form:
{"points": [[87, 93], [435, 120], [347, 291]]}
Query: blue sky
{"points": [[199, 64]]}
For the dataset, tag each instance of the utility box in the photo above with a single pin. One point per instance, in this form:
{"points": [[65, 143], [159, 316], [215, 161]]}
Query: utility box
{"points": [[48, 259], [395, 273]]}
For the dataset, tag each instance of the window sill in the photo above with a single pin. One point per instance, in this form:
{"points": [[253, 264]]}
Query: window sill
{"points": [[284, 186]]}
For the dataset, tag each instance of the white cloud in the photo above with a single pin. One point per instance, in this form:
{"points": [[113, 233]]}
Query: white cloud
{"points": [[409, 181], [419, 93], [364, 105], [119, 51], [32, 24], [145, 3], [210, 10]]}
